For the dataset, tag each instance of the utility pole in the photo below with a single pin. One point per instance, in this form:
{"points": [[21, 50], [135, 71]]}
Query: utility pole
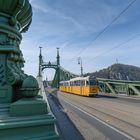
{"points": [[116, 60], [58, 57], [58, 67], [40, 63], [80, 63]]}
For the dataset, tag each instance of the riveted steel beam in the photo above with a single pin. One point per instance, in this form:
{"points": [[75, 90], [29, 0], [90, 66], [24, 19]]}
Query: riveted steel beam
{"points": [[120, 86]]}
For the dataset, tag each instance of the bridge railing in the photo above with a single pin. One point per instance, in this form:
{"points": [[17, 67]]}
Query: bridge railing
{"points": [[119, 86]]}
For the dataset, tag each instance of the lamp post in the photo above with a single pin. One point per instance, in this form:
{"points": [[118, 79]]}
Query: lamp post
{"points": [[80, 63], [40, 62]]}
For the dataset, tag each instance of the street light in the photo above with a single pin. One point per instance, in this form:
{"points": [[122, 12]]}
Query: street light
{"points": [[80, 63]]}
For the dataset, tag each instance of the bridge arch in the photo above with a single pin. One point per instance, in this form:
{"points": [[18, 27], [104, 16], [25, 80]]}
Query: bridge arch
{"points": [[60, 73]]}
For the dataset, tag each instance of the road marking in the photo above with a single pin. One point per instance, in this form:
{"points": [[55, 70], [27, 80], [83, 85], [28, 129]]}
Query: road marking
{"points": [[108, 125]]}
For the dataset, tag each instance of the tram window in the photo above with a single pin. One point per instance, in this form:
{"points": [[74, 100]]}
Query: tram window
{"points": [[78, 82], [67, 83], [72, 83], [92, 82], [87, 83], [75, 83], [83, 83]]}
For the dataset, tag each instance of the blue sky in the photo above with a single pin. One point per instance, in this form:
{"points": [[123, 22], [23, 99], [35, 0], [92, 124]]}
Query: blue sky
{"points": [[72, 25]]}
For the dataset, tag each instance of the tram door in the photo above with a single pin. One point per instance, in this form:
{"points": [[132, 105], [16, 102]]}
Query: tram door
{"points": [[82, 84]]}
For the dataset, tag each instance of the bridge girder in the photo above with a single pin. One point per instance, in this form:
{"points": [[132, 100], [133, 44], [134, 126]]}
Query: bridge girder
{"points": [[119, 86], [63, 75]]}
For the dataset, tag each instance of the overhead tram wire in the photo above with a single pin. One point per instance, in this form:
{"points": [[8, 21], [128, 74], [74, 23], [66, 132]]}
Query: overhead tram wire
{"points": [[117, 46], [106, 27]]}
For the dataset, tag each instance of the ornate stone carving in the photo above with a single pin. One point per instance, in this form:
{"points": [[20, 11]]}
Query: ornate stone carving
{"points": [[15, 18]]}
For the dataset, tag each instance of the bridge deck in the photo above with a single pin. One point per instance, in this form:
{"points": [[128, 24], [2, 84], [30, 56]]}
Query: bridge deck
{"points": [[119, 118]]}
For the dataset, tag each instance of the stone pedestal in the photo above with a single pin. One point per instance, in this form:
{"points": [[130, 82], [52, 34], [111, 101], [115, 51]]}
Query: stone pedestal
{"points": [[28, 107], [34, 127], [27, 119]]}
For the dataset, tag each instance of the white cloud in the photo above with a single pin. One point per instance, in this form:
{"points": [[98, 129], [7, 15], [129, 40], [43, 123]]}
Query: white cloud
{"points": [[72, 30], [57, 13]]}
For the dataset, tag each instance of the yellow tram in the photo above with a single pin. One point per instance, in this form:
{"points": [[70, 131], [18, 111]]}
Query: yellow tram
{"points": [[85, 86]]}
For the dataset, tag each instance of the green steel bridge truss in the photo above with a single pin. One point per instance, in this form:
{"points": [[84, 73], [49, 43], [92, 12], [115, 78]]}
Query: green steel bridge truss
{"points": [[105, 85], [119, 86], [60, 73]]}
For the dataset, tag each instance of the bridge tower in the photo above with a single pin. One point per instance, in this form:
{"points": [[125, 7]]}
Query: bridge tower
{"points": [[55, 65], [60, 73]]}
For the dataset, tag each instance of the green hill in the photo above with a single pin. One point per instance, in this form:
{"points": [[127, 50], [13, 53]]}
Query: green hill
{"points": [[118, 72]]}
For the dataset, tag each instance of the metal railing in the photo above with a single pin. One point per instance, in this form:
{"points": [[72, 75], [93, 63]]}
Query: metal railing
{"points": [[119, 86]]}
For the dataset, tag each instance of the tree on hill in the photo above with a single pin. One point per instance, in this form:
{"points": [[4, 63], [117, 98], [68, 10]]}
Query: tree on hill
{"points": [[118, 72]]}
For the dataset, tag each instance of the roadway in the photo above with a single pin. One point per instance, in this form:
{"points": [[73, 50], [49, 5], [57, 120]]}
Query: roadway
{"points": [[101, 118]]}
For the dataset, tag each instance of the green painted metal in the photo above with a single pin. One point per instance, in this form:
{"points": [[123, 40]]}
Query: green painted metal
{"points": [[23, 114], [37, 127], [119, 86], [60, 73], [110, 87], [34, 106], [105, 85], [15, 18], [137, 91]]}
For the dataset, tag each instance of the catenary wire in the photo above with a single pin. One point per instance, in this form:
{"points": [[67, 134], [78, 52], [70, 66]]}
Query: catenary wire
{"points": [[117, 46], [107, 27]]}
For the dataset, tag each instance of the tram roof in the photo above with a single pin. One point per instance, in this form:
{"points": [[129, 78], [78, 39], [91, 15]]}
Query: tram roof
{"points": [[80, 78], [77, 78]]}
